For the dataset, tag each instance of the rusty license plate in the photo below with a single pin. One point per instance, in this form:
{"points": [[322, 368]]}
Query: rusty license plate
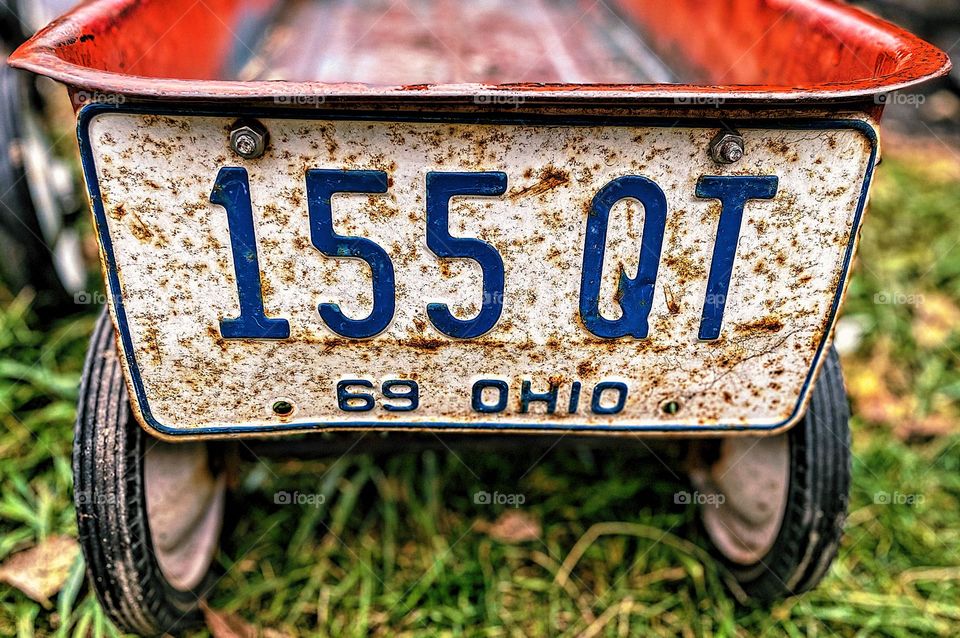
{"points": [[540, 274]]}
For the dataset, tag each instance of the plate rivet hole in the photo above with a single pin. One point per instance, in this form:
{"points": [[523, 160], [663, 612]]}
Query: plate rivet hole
{"points": [[282, 408], [670, 407]]}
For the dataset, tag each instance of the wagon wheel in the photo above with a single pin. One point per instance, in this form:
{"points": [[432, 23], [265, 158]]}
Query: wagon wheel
{"points": [[149, 513], [37, 199], [774, 507]]}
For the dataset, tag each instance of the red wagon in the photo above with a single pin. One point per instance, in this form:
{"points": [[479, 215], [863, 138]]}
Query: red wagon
{"points": [[544, 218]]}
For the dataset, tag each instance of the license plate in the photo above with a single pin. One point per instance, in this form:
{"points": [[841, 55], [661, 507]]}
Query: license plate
{"points": [[598, 275]]}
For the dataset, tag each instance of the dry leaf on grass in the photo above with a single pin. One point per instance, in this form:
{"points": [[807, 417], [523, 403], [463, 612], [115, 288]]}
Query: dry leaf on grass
{"points": [[925, 428], [513, 526], [875, 388], [880, 391], [41, 571], [226, 625], [873, 398], [936, 319]]}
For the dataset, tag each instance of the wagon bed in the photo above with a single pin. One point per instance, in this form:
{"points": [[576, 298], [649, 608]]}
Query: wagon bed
{"points": [[625, 217], [449, 42], [759, 51]]}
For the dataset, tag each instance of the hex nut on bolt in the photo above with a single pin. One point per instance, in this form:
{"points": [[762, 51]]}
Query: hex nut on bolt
{"points": [[249, 139], [726, 147]]}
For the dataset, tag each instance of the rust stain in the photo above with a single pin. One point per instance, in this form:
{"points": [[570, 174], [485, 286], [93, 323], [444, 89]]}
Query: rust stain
{"points": [[673, 306], [217, 338], [151, 344], [548, 178], [139, 229], [685, 267], [768, 324], [586, 368], [777, 147], [429, 344]]}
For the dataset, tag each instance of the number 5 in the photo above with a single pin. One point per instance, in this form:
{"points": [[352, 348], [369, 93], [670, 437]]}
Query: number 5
{"points": [[321, 186], [441, 187]]}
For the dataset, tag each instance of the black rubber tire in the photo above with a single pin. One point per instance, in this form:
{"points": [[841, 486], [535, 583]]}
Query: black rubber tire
{"points": [[110, 498], [817, 498]]}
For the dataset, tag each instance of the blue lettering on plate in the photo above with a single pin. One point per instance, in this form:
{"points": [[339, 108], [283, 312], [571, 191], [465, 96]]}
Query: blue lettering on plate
{"points": [[635, 296], [321, 186], [411, 395], [574, 397], [527, 396], [598, 390], [503, 390], [347, 400], [232, 191], [733, 191], [441, 187]]}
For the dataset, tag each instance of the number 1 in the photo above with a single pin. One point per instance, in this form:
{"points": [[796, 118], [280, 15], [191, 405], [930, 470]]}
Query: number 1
{"points": [[232, 191]]}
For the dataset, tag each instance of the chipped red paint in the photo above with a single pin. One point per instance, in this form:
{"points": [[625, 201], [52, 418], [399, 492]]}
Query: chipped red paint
{"points": [[754, 51]]}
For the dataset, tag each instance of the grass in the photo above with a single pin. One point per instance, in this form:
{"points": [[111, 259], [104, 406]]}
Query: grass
{"points": [[398, 547]]}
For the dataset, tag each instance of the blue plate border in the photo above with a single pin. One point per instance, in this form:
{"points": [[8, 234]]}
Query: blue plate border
{"points": [[91, 111]]}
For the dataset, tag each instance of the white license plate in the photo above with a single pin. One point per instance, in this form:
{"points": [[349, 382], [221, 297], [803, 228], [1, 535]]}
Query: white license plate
{"points": [[603, 276]]}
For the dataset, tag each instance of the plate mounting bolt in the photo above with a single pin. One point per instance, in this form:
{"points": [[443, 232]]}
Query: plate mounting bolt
{"points": [[248, 139], [726, 147]]}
